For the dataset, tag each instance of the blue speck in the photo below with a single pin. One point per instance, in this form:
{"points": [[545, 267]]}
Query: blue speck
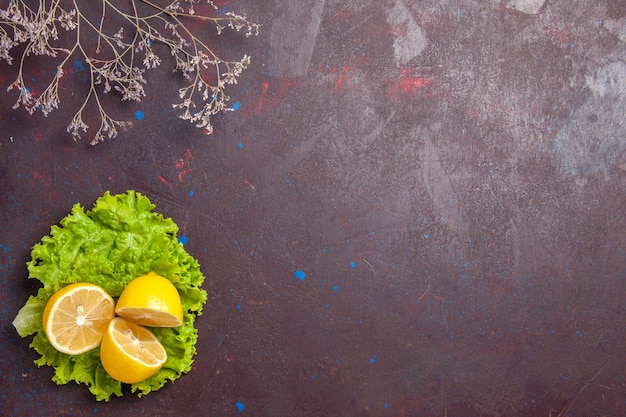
{"points": [[352, 264], [79, 66], [240, 406], [373, 359], [238, 307], [299, 274], [236, 105], [312, 377], [426, 235], [190, 193], [183, 239], [240, 145], [139, 115], [335, 288], [324, 251], [223, 10], [578, 333], [549, 129], [385, 405]]}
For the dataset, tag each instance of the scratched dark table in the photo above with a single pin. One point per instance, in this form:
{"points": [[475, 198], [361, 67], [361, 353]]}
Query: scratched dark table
{"points": [[417, 209]]}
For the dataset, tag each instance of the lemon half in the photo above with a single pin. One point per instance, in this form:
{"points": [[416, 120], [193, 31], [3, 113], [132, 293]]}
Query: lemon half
{"points": [[151, 300], [129, 352], [76, 317]]}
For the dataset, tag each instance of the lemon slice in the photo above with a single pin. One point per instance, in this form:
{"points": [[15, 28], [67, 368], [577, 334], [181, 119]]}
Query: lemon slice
{"points": [[151, 300], [129, 352], [76, 317]]}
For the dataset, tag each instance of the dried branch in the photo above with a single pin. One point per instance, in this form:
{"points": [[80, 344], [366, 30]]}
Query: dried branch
{"points": [[122, 57]]}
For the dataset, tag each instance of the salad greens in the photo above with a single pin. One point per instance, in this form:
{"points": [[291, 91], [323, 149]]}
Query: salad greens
{"points": [[118, 240]]}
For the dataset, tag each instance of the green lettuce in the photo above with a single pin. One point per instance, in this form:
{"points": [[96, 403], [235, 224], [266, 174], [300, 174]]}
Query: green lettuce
{"points": [[118, 240]]}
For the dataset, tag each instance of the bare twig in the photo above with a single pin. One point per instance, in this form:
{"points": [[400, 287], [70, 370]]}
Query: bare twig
{"points": [[121, 59]]}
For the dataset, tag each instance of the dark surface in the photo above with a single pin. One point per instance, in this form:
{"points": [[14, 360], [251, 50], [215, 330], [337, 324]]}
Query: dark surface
{"points": [[467, 157]]}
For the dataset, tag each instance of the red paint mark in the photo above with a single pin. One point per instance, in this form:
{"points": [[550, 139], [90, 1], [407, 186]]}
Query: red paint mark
{"points": [[259, 104], [184, 161], [37, 175], [409, 82], [38, 137], [183, 165], [401, 412], [164, 181], [411, 85], [340, 79], [406, 71], [182, 174], [271, 95], [284, 87]]}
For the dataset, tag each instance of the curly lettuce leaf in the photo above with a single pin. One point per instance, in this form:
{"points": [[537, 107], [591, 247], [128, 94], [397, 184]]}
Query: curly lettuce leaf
{"points": [[28, 319], [118, 240]]}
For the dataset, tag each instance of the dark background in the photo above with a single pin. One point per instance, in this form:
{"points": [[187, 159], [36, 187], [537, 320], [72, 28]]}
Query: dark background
{"points": [[449, 175]]}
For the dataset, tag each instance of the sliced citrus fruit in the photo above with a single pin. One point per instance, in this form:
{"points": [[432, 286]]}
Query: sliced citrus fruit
{"points": [[129, 352], [76, 317], [151, 300]]}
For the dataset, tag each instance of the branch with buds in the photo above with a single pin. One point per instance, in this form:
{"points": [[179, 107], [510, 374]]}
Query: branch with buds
{"points": [[121, 57]]}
